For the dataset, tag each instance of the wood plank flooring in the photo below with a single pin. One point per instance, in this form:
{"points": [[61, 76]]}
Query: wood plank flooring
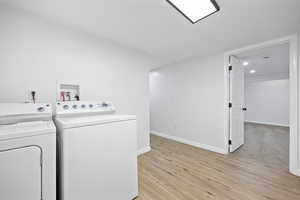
{"points": [[177, 171]]}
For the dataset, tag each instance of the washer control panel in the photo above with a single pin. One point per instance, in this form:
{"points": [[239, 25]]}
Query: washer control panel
{"points": [[70, 107]]}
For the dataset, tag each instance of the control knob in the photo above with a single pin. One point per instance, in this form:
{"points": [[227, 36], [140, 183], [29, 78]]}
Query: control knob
{"points": [[66, 107], [105, 104], [41, 109]]}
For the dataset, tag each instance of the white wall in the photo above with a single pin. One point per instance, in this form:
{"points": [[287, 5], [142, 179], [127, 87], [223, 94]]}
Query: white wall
{"points": [[269, 77], [298, 104], [35, 54], [187, 102], [267, 102]]}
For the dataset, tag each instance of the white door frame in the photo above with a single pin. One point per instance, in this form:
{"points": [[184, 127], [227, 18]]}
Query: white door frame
{"points": [[294, 145]]}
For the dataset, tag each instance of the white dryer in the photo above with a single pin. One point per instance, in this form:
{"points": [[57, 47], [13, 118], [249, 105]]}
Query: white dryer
{"points": [[98, 152], [27, 152]]}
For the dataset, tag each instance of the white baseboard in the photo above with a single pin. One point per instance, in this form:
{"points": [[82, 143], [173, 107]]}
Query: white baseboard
{"points": [[298, 172], [192, 143], [295, 172], [268, 123], [144, 150]]}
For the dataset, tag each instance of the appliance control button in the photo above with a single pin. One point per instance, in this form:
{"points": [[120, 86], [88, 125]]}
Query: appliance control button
{"points": [[91, 105], [66, 107], [82, 106], [74, 106], [104, 104], [41, 109]]}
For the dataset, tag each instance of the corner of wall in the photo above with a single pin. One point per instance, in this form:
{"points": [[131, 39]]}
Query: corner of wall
{"points": [[144, 150]]}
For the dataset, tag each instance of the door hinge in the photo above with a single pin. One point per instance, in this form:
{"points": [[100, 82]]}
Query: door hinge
{"points": [[230, 105], [230, 68], [229, 142]]}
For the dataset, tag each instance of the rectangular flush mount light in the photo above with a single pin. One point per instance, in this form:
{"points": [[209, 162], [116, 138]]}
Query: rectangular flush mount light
{"points": [[195, 10]]}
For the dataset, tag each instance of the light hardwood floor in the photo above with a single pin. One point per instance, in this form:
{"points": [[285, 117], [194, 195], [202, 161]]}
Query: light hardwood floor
{"points": [[175, 171]]}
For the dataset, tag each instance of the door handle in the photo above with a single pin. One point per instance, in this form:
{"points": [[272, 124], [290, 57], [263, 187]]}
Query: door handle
{"points": [[244, 109]]}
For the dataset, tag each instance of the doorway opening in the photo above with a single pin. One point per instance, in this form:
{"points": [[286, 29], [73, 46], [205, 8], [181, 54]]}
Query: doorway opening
{"points": [[262, 97]]}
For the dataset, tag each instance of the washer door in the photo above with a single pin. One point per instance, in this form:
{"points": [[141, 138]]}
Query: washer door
{"points": [[20, 172]]}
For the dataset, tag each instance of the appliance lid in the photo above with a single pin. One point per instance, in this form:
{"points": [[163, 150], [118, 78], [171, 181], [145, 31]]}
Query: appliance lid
{"points": [[73, 122], [11, 113], [25, 129]]}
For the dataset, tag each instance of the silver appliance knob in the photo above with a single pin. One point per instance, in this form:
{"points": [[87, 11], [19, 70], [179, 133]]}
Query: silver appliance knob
{"points": [[74, 106], [91, 105], [41, 109], [66, 107], [83, 106]]}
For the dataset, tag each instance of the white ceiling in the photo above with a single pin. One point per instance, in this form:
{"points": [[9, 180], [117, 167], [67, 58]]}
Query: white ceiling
{"points": [[155, 27], [276, 65]]}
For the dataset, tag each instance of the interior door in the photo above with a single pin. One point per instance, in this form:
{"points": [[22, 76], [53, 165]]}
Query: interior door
{"points": [[20, 174], [236, 74]]}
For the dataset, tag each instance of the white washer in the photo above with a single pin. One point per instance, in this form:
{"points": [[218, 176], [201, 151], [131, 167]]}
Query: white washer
{"points": [[98, 152], [27, 152]]}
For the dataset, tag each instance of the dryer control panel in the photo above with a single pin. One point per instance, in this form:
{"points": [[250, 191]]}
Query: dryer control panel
{"points": [[83, 107], [11, 113], [24, 109]]}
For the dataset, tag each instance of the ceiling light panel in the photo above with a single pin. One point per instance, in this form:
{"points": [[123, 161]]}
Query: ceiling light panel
{"points": [[195, 10], [245, 63], [252, 71]]}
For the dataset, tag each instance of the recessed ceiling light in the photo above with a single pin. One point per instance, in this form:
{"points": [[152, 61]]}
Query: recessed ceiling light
{"points": [[245, 63], [252, 71], [154, 73], [195, 10]]}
